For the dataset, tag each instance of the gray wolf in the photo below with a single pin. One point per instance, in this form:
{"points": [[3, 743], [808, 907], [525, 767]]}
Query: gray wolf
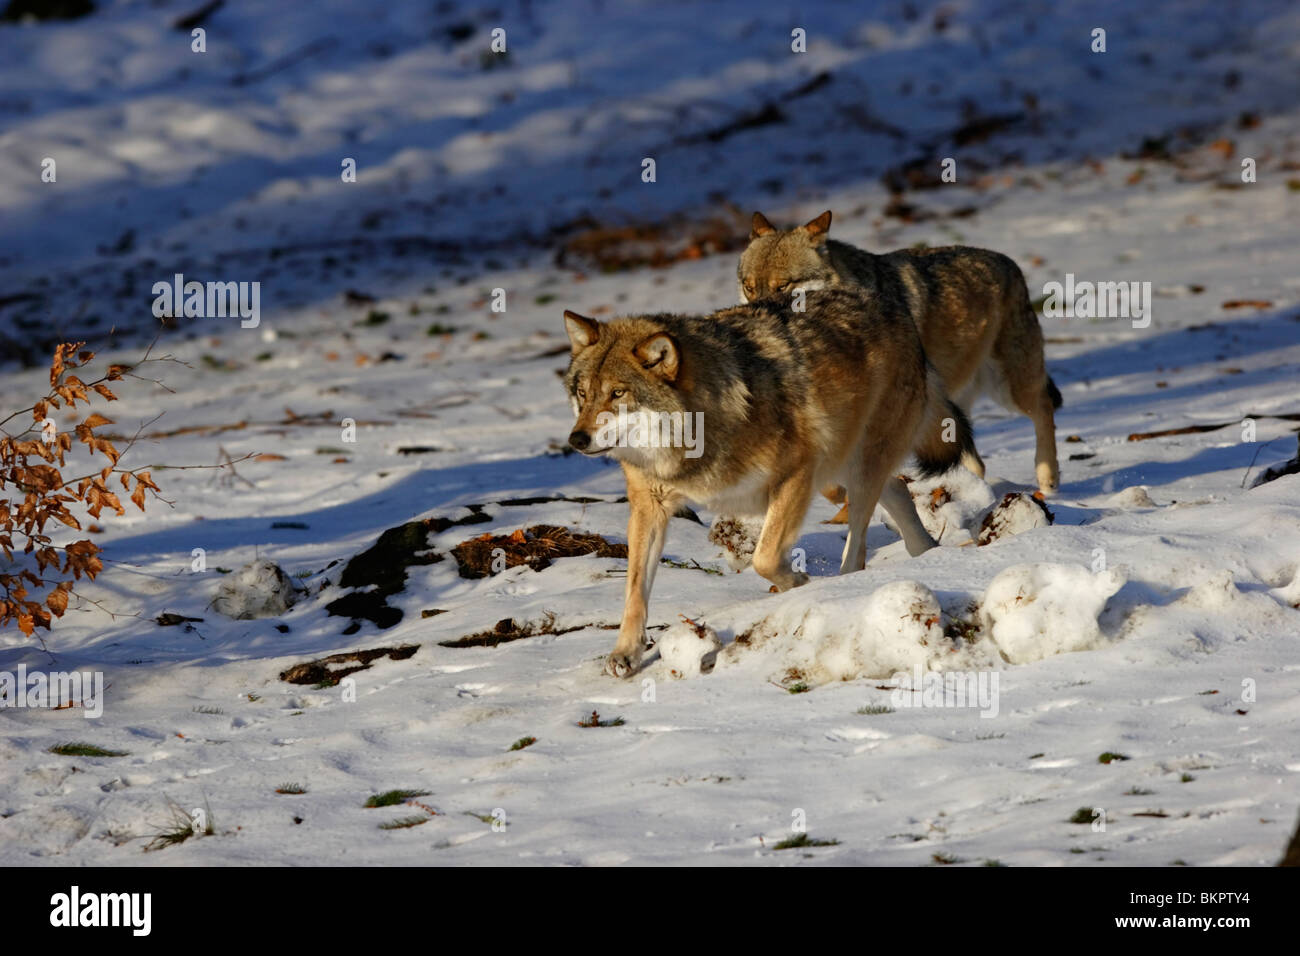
{"points": [[789, 401], [971, 306]]}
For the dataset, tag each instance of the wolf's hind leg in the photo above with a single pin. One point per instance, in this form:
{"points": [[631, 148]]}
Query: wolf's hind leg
{"points": [[1035, 400], [837, 495], [897, 500], [786, 507]]}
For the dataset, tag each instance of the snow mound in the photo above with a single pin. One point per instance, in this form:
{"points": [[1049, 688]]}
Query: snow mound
{"points": [[1218, 593], [898, 627], [1134, 497], [684, 648], [1289, 594], [258, 589], [1032, 611]]}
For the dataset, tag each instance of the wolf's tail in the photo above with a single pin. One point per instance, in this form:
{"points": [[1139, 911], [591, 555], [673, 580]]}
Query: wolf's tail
{"points": [[945, 433]]}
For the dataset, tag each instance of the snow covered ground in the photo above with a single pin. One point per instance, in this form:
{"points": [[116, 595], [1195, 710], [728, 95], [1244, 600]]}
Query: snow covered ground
{"points": [[1155, 619]]}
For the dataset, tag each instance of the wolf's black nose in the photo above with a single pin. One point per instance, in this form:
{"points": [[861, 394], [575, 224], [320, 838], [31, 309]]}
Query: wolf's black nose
{"points": [[580, 440]]}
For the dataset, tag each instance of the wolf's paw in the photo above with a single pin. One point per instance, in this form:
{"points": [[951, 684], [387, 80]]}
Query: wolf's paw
{"points": [[1049, 478], [796, 579], [622, 665], [918, 546]]}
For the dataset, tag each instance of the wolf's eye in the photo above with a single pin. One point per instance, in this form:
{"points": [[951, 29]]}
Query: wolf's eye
{"points": [[618, 393], [582, 394]]}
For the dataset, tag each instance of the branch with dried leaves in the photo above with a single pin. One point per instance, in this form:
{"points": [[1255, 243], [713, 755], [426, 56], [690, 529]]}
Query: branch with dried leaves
{"points": [[34, 468]]}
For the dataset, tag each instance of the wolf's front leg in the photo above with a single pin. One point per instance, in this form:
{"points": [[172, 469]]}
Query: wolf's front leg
{"points": [[786, 507], [650, 507]]}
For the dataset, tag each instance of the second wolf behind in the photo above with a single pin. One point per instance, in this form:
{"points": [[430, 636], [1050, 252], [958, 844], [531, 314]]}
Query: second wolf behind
{"points": [[970, 305]]}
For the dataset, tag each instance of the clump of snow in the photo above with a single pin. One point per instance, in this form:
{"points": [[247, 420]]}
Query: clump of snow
{"points": [[737, 538], [896, 628], [1032, 611], [258, 589], [685, 648], [1014, 514], [950, 505], [1218, 594], [1134, 497], [1289, 594]]}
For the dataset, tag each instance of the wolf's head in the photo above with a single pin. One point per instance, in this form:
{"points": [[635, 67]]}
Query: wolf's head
{"points": [[777, 263], [623, 378]]}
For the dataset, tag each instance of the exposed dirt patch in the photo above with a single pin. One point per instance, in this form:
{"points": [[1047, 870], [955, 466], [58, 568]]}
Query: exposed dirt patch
{"points": [[508, 629], [536, 547], [321, 671], [382, 569]]}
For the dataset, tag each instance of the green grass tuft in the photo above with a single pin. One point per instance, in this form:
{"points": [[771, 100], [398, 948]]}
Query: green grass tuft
{"points": [[595, 721], [84, 750], [392, 798], [802, 840], [523, 742], [404, 823]]}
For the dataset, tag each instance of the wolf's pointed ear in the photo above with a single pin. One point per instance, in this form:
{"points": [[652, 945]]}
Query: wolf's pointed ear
{"points": [[759, 226], [817, 228], [582, 330], [659, 354]]}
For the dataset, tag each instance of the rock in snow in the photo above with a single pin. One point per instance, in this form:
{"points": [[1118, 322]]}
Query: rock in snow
{"points": [[258, 589]]}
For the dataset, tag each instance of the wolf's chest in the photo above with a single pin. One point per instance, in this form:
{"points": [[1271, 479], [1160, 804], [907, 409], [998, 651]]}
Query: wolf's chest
{"points": [[745, 497]]}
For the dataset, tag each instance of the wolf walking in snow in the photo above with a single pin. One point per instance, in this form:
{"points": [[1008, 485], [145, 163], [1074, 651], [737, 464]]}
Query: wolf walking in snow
{"points": [[790, 401], [971, 307]]}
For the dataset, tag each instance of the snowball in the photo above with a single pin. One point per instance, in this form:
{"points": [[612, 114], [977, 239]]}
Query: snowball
{"points": [[737, 538], [1032, 611], [259, 589], [684, 647], [1014, 514]]}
